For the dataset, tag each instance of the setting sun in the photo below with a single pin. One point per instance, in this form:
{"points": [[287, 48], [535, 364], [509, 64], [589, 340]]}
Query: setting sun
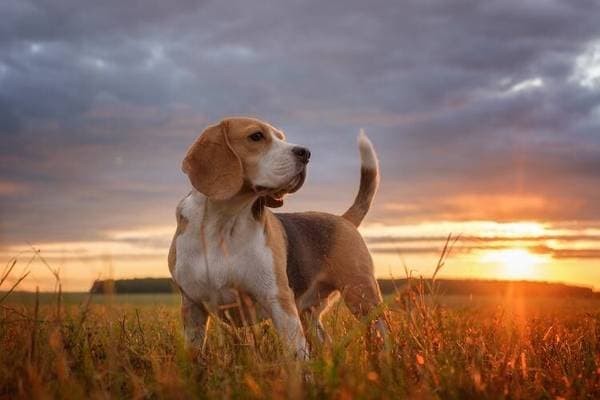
{"points": [[515, 263]]}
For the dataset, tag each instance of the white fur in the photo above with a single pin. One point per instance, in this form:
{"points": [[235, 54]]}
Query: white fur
{"points": [[204, 273], [368, 157], [278, 166], [235, 255]]}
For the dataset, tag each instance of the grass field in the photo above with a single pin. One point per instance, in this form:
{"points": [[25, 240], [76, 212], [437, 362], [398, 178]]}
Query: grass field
{"points": [[75, 346]]}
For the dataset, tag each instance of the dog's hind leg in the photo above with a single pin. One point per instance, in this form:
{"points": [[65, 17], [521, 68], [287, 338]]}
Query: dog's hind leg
{"points": [[312, 304], [366, 304], [312, 317], [364, 300]]}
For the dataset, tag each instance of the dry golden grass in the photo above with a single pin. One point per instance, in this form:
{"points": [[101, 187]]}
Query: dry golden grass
{"points": [[439, 348]]}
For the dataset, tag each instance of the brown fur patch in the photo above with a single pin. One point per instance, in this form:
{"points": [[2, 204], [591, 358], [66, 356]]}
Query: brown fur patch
{"points": [[212, 166], [309, 238], [275, 235], [351, 270], [182, 224], [327, 253]]}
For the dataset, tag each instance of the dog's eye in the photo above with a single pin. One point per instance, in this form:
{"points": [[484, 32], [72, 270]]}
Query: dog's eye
{"points": [[256, 136]]}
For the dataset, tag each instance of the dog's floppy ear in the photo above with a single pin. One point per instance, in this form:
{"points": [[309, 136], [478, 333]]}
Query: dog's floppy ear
{"points": [[272, 202], [212, 166]]}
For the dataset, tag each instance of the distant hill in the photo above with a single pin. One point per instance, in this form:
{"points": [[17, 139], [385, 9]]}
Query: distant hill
{"points": [[444, 286]]}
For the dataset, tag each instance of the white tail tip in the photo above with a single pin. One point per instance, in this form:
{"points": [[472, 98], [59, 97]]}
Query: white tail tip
{"points": [[368, 158]]}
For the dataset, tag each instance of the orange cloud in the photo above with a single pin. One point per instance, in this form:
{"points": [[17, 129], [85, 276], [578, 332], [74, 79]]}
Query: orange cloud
{"points": [[8, 188]]}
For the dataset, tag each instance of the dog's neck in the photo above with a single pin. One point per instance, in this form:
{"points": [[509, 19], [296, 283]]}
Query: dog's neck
{"points": [[224, 214]]}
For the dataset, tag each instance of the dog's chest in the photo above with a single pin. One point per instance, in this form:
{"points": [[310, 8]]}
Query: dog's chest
{"points": [[213, 257]]}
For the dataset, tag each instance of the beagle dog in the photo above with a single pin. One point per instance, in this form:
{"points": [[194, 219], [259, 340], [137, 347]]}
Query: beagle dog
{"points": [[230, 251]]}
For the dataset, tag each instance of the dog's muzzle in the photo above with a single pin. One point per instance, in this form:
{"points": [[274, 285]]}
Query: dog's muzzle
{"points": [[292, 186]]}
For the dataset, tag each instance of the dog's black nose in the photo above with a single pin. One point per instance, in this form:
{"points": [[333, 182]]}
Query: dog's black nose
{"points": [[302, 153]]}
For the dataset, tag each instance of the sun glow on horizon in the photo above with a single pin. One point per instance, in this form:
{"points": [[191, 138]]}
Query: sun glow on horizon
{"points": [[519, 250], [515, 263], [464, 228]]}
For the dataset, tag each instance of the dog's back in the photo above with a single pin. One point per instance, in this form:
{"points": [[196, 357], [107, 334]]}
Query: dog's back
{"points": [[325, 252]]}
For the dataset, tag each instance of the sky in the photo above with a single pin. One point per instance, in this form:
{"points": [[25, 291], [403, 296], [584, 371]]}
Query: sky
{"points": [[485, 116]]}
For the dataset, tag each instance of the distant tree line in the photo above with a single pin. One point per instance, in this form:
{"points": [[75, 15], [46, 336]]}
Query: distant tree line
{"points": [[493, 288], [443, 286], [141, 285]]}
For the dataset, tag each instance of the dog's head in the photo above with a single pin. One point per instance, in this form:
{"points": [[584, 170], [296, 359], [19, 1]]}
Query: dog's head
{"points": [[245, 154]]}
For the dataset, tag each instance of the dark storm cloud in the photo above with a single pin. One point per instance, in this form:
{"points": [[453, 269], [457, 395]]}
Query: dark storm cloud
{"points": [[99, 101]]}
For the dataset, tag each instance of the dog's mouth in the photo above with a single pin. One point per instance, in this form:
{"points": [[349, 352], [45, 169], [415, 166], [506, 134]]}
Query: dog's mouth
{"points": [[293, 185]]}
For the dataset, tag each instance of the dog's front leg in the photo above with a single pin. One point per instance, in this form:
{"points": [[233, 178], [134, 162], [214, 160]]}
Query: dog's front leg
{"points": [[289, 327], [284, 314], [195, 324]]}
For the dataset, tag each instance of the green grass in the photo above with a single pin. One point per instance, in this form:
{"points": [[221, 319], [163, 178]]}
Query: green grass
{"points": [[447, 347]]}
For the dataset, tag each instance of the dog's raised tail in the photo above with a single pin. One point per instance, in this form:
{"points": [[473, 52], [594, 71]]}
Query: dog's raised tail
{"points": [[369, 180]]}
